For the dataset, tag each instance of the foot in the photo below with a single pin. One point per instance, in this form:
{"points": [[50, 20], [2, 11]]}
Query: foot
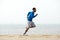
{"points": [[24, 34]]}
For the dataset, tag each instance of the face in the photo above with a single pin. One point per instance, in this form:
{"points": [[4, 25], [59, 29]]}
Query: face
{"points": [[34, 10]]}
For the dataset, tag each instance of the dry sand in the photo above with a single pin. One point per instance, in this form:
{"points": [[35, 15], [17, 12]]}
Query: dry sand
{"points": [[30, 37]]}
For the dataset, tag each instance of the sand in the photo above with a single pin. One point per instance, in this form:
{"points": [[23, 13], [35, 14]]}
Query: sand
{"points": [[30, 37]]}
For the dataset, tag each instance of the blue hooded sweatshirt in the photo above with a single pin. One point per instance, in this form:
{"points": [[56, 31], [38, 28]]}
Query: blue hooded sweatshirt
{"points": [[30, 16]]}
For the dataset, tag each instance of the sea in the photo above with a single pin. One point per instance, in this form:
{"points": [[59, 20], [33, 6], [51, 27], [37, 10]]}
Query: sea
{"points": [[39, 29]]}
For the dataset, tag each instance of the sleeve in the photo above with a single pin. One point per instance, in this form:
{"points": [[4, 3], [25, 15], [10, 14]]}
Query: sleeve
{"points": [[35, 15], [28, 13]]}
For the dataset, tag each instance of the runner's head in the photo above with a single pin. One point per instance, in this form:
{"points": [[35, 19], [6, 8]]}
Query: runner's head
{"points": [[34, 9]]}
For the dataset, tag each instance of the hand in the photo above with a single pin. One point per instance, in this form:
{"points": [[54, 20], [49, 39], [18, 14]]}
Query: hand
{"points": [[36, 14]]}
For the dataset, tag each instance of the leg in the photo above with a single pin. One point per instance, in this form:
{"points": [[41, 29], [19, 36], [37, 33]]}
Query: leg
{"points": [[26, 31], [32, 25]]}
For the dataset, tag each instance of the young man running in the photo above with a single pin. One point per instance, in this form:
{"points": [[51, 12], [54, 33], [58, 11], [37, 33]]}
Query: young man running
{"points": [[30, 16]]}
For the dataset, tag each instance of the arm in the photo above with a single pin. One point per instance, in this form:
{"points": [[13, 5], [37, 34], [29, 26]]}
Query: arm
{"points": [[35, 15], [28, 13]]}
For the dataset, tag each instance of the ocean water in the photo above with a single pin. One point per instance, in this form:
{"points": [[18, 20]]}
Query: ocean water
{"points": [[39, 29]]}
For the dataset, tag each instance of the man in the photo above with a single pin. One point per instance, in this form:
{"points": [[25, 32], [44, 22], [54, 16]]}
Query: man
{"points": [[30, 16]]}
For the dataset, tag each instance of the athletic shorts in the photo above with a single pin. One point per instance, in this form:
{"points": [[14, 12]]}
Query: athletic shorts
{"points": [[31, 24]]}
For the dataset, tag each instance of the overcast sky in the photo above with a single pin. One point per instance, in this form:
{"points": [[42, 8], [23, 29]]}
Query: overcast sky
{"points": [[15, 11]]}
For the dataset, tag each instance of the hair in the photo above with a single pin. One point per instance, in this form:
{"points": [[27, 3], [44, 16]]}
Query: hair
{"points": [[33, 8]]}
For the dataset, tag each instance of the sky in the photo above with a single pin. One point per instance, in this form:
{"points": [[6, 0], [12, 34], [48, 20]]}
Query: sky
{"points": [[15, 11]]}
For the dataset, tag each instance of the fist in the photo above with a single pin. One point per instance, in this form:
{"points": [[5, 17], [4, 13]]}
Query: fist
{"points": [[36, 14]]}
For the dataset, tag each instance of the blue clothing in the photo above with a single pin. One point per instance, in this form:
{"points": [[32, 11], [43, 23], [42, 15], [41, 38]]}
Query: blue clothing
{"points": [[30, 16]]}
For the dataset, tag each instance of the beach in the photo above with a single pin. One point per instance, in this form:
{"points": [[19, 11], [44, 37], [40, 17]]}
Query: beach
{"points": [[41, 32], [29, 37]]}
